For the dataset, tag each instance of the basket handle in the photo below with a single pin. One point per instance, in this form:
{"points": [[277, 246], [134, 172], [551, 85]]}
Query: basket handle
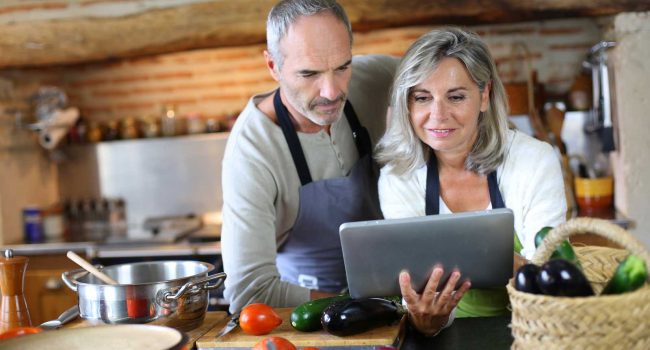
{"points": [[599, 227]]}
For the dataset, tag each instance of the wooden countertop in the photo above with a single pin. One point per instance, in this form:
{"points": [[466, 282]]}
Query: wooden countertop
{"points": [[464, 333]]}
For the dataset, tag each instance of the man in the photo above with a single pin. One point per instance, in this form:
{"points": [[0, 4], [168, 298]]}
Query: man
{"points": [[298, 163]]}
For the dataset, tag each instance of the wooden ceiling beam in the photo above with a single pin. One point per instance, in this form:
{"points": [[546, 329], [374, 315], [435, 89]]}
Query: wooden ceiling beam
{"points": [[235, 23]]}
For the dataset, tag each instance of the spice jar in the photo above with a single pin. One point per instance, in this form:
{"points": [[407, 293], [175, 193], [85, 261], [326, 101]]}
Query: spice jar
{"points": [[112, 131], [195, 124], [33, 224], [212, 125], [53, 223], [168, 120], [94, 133], [150, 127], [129, 129]]}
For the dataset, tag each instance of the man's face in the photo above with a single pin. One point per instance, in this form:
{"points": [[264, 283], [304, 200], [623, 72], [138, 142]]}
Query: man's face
{"points": [[316, 70]]}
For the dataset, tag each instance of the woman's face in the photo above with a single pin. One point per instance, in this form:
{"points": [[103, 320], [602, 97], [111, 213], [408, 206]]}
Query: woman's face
{"points": [[444, 109]]}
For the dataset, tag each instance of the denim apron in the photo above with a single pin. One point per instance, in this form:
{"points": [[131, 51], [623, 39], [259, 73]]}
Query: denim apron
{"points": [[475, 302], [312, 257]]}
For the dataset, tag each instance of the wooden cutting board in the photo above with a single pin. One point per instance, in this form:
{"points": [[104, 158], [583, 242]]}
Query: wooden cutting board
{"points": [[386, 336]]}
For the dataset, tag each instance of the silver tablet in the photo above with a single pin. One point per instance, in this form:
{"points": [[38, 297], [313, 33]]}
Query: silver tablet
{"points": [[479, 244]]}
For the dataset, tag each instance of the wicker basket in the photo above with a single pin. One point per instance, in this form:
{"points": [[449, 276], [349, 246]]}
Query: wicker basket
{"points": [[598, 322]]}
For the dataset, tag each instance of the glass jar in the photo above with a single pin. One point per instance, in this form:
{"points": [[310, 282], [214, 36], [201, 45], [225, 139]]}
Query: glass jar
{"points": [[129, 129], [112, 131], [150, 127], [168, 120], [53, 223], [33, 224], [195, 124], [95, 132]]}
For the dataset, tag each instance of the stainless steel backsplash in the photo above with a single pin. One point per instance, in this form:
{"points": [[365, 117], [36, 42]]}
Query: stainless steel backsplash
{"points": [[156, 177]]}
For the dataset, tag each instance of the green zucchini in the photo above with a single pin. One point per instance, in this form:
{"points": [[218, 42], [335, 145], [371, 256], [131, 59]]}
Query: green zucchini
{"points": [[354, 316], [306, 317], [563, 251], [630, 274]]}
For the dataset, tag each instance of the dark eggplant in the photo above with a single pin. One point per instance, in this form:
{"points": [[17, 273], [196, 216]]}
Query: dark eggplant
{"points": [[526, 279], [348, 317], [561, 277], [306, 317]]}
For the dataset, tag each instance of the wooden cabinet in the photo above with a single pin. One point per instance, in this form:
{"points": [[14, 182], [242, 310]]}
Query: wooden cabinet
{"points": [[47, 296]]}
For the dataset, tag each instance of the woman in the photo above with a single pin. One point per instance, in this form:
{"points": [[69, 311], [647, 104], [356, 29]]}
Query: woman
{"points": [[449, 148]]}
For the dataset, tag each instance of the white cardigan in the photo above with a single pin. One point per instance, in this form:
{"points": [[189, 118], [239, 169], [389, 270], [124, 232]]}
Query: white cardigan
{"points": [[530, 181]]}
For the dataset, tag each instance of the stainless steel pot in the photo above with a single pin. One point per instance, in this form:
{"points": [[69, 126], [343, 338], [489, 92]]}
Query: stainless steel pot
{"points": [[170, 293]]}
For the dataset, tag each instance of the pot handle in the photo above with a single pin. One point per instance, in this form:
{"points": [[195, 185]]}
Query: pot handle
{"points": [[193, 287], [70, 277]]}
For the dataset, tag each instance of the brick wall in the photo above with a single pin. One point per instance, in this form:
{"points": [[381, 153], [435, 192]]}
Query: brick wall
{"points": [[217, 82]]}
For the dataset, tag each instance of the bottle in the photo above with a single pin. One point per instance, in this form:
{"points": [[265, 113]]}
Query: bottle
{"points": [[129, 129], [112, 131], [33, 224], [117, 217], [195, 124], [53, 223], [168, 120], [212, 125], [74, 220], [95, 133], [150, 127], [13, 306]]}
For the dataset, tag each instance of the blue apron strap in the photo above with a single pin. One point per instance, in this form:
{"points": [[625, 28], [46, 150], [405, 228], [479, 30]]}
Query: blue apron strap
{"points": [[360, 134], [291, 136], [495, 194], [432, 193]]}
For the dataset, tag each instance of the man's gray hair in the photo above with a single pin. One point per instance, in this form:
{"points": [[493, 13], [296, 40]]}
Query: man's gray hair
{"points": [[287, 12], [400, 147]]}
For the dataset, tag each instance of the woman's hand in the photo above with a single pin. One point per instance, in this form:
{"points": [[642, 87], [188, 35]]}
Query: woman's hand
{"points": [[429, 311]]}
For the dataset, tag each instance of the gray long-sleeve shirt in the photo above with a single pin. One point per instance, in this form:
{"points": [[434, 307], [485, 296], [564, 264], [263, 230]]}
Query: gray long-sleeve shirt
{"points": [[260, 184]]}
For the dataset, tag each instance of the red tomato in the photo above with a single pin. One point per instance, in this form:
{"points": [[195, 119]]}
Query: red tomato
{"points": [[309, 348], [18, 331], [258, 319], [276, 343]]}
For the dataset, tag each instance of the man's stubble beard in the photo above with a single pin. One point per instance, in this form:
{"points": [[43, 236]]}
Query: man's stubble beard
{"points": [[309, 111]]}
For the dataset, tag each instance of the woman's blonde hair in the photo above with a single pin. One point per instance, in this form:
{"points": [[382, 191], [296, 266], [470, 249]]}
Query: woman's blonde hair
{"points": [[400, 148]]}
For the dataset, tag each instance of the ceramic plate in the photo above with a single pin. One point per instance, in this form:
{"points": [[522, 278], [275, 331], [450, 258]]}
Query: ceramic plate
{"points": [[125, 337]]}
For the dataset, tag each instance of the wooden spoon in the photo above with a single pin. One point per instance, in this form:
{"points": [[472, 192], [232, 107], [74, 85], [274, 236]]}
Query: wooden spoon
{"points": [[90, 268], [555, 120]]}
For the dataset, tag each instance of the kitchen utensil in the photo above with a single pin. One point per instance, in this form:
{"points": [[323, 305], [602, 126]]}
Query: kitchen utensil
{"points": [[67, 316], [232, 324], [13, 306], [595, 196], [554, 119], [602, 113], [124, 337], [90, 268], [171, 293]]}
